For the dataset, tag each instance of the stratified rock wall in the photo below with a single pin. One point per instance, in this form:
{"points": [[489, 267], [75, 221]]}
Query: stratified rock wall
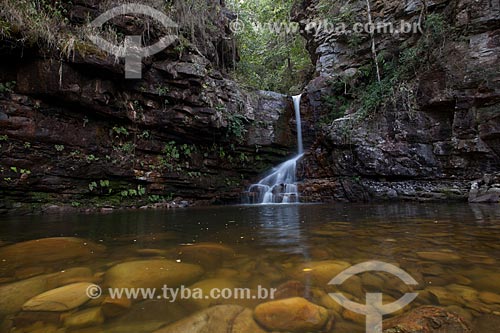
{"points": [[73, 131], [429, 148]]}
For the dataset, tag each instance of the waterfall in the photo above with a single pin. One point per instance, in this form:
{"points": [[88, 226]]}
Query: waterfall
{"points": [[296, 106], [280, 185]]}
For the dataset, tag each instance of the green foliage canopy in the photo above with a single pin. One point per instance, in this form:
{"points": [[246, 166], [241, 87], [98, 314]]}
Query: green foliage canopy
{"points": [[270, 60]]}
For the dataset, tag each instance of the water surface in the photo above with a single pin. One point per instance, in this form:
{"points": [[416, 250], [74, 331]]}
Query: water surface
{"points": [[276, 244]]}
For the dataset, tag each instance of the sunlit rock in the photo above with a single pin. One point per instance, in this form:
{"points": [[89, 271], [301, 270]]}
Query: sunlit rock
{"points": [[152, 274], [291, 315], [60, 299]]}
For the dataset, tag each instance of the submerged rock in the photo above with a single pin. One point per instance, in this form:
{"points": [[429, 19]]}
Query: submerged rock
{"points": [[427, 319], [152, 274], [85, 318], [46, 250], [207, 286], [14, 295], [489, 298], [439, 256], [290, 289], [221, 318], [292, 315], [321, 272], [112, 307], [208, 255], [488, 282], [60, 299], [487, 323]]}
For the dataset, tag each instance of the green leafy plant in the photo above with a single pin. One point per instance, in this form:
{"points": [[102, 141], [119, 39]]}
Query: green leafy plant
{"points": [[187, 150], [127, 148], [25, 172], [7, 87], [236, 126], [92, 186], [162, 90], [120, 130], [104, 183], [154, 198], [59, 148], [171, 151], [134, 192], [145, 135], [91, 158]]}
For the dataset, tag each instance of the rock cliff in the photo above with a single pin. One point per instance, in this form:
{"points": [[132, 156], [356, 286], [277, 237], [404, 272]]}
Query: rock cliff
{"points": [[73, 131], [423, 134]]}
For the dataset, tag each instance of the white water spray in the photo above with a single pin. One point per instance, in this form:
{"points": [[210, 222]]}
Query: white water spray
{"points": [[280, 186]]}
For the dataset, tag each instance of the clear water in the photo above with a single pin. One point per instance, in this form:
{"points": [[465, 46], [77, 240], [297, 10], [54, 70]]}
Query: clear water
{"points": [[274, 243]]}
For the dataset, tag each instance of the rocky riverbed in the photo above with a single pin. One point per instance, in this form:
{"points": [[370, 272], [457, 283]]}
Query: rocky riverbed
{"points": [[44, 281]]}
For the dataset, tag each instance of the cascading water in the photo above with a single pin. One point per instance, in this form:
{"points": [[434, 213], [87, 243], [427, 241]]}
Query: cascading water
{"points": [[280, 186]]}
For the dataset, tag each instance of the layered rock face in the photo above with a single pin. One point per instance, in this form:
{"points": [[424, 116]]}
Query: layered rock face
{"points": [[74, 131], [441, 132]]}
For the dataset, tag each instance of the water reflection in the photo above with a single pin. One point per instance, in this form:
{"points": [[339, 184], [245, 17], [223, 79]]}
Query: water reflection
{"points": [[282, 226]]}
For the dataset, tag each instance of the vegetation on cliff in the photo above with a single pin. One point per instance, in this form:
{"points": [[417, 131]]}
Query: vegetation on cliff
{"points": [[272, 51]]}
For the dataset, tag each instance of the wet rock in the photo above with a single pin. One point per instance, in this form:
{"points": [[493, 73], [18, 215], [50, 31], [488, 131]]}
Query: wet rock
{"points": [[439, 256], [245, 323], [291, 315], [14, 295], [41, 327], [226, 273], [345, 326], [372, 282], [145, 317], [435, 281], [461, 311], [145, 327], [319, 254], [207, 286], [354, 317], [25, 319], [209, 255], [485, 190], [445, 296], [60, 299], [85, 318], [112, 307], [47, 250], [467, 293], [152, 274], [27, 272], [427, 319], [489, 298], [488, 282], [487, 323], [320, 272], [352, 286], [290, 289], [221, 318], [329, 303], [151, 252]]}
